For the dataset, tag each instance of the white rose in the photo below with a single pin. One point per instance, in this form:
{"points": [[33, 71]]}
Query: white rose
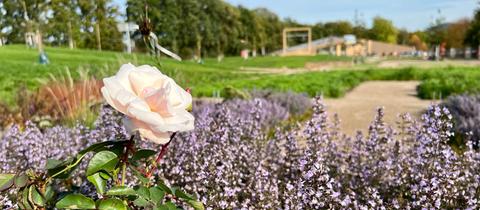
{"points": [[153, 103]]}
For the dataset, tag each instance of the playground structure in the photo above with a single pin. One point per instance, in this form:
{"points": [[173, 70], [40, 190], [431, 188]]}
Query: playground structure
{"points": [[347, 45], [305, 50]]}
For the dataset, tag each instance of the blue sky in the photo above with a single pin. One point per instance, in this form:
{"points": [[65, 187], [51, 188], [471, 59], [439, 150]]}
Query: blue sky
{"points": [[409, 14]]}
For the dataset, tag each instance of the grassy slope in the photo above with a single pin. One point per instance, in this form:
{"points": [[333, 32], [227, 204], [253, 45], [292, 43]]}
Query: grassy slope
{"points": [[439, 82], [19, 66]]}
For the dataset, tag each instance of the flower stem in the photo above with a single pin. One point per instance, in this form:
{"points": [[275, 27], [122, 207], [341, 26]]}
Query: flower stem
{"points": [[128, 148], [162, 153], [124, 173]]}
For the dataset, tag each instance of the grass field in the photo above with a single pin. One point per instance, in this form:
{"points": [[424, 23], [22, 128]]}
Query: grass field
{"points": [[19, 66], [435, 83]]}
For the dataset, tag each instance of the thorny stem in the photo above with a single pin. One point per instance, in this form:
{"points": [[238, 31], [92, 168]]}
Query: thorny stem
{"points": [[162, 153], [128, 148]]}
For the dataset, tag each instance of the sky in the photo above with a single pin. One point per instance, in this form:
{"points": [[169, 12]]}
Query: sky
{"points": [[409, 14]]}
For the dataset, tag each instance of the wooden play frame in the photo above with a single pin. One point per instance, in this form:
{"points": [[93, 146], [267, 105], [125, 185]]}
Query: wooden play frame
{"points": [[308, 51]]}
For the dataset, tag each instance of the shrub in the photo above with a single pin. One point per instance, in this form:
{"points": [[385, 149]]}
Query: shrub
{"points": [[230, 162], [295, 103], [70, 101], [465, 110]]}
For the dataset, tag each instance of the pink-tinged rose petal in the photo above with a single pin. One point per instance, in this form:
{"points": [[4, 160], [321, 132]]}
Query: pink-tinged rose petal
{"points": [[146, 132], [154, 103]]}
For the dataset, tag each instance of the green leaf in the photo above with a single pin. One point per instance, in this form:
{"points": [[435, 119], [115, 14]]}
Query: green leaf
{"points": [[20, 180], [164, 187], [66, 167], [161, 207], [105, 175], [179, 193], [75, 201], [143, 192], [112, 204], [6, 181], [35, 197], [55, 167], [102, 161], [100, 147], [121, 190], [25, 201], [99, 183], [167, 206], [170, 206], [49, 193], [54, 163], [197, 205], [143, 154], [140, 176], [156, 195], [140, 202]]}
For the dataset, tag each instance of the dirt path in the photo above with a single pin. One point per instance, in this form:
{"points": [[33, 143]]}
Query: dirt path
{"points": [[427, 63], [357, 108]]}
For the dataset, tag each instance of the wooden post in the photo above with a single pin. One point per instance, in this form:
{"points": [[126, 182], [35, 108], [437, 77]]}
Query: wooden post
{"points": [[301, 29], [338, 50], [284, 41], [99, 41], [310, 40]]}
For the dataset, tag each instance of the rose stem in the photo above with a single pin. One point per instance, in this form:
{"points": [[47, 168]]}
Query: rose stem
{"points": [[162, 153], [125, 159]]}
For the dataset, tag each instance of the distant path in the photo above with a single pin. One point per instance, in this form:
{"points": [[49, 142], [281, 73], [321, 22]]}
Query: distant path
{"points": [[357, 108], [427, 63], [374, 64]]}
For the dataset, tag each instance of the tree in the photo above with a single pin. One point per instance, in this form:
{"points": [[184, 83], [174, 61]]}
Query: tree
{"points": [[271, 29], [437, 32], [98, 28], [338, 28], [3, 24], [416, 41], [228, 38], [360, 31], [21, 16], [456, 33], [473, 33], [403, 37], [64, 27], [252, 31], [383, 30]]}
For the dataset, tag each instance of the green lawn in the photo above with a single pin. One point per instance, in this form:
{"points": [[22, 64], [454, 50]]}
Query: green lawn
{"points": [[19, 66], [272, 61], [435, 83]]}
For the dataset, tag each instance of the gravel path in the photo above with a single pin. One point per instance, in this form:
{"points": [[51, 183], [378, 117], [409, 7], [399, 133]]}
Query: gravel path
{"points": [[357, 108]]}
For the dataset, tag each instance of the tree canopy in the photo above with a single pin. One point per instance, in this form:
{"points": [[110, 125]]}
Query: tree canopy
{"points": [[203, 28], [383, 30], [62, 22]]}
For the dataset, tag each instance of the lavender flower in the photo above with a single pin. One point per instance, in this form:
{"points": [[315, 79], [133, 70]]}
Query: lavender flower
{"points": [[240, 156]]}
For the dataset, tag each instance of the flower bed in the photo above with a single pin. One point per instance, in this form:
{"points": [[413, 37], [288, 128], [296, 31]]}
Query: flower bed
{"points": [[229, 161]]}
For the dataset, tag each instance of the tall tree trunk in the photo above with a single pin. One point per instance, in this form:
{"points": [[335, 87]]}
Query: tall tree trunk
{"points": [[99, 41], [220, 54], [39, 41], [70, 35], [175, 46], [199, 47]]}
